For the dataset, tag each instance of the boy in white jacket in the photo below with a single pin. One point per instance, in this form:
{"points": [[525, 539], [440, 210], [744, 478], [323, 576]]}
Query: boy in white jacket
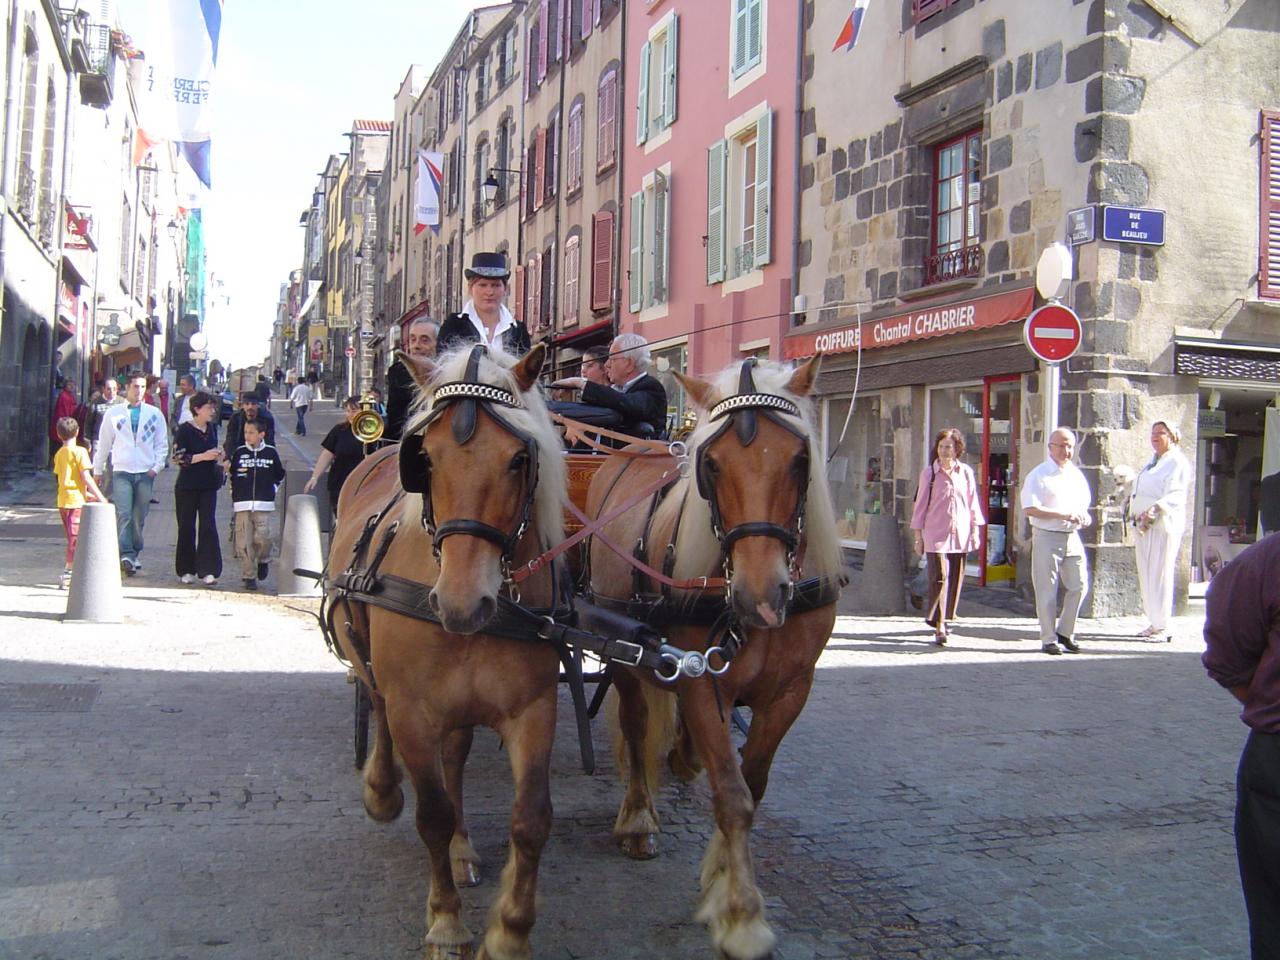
{"points": [[135, 438]]}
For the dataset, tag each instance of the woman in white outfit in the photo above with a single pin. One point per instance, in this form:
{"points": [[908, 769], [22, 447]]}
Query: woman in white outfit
{"points": [[1157, 509]]}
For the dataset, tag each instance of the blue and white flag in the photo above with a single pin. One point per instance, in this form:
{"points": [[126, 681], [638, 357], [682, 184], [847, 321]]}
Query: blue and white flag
{"points": [[181, 55]]}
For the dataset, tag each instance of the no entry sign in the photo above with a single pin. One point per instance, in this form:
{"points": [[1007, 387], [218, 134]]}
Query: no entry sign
{"points": [[1053, 333]]}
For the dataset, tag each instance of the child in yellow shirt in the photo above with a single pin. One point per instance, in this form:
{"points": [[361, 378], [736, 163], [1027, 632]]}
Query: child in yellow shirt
{"points": [[74, 475]]}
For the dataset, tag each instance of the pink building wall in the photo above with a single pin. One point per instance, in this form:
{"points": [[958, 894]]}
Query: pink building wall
{"points": [[720, 326]]}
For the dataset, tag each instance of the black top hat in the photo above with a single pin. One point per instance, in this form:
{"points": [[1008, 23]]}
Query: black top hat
{"points": [[490, 265]]}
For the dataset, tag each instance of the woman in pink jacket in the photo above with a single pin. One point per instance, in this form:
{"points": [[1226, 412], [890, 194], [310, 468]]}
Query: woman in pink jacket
{"points": [[946, 519]]}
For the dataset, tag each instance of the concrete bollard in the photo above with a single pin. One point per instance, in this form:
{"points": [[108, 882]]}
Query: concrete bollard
{"points": [[300, 548], [95, 595], [880, 590]]}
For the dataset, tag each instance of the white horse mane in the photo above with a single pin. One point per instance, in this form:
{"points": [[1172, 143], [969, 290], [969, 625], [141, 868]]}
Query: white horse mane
{"points": [[532, 418], [697, 551]]}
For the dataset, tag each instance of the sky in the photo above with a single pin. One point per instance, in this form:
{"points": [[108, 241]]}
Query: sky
{"points": [[291, 76]]}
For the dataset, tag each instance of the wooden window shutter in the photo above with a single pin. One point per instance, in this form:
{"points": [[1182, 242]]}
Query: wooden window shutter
{"points": [[552, 147], [764, 171], [1269, 269], [518, 299], [661, 236], [589, 14], [539, 168], [528, 66], [573, 176], [739, 36], [544, 20], [572, 269], [636, 277], [669, 78], [548, 264], [642, 95], [532, 280], [606, 125], [601, 261], [531, 175], [755, 28], [716, 156]]}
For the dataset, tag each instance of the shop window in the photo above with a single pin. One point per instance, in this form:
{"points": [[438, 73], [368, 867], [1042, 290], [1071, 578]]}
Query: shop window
{"points": [[955, 250], [854, 464], [665, 364], [656, 98]]}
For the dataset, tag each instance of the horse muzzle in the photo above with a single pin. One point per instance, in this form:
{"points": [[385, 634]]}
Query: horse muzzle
{"points": [[464, 618]]}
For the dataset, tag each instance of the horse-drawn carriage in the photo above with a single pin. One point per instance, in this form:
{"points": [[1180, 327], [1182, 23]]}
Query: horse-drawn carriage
{"points": [[709, 570]]}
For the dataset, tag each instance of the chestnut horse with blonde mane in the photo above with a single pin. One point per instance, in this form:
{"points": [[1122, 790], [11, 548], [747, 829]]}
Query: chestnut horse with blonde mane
{"points": [[757, 510], [477, 486]]}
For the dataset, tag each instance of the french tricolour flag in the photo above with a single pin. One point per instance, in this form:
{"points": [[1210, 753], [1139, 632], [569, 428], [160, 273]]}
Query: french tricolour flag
{"points": [[852, 28]]}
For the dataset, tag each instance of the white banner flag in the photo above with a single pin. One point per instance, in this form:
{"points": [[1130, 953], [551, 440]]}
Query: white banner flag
{"points": [[427, 204]]}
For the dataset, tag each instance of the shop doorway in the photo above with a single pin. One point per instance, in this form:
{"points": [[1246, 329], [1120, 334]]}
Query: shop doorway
{"points": [[987, 414]]}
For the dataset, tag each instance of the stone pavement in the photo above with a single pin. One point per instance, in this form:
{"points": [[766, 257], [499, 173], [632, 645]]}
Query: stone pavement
{"points": [[181, 786]]}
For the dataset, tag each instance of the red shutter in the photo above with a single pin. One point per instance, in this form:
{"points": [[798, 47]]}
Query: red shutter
{"points": [[927, 8], [539, 168], [518, 299], [601, 261], [1269, 215]]}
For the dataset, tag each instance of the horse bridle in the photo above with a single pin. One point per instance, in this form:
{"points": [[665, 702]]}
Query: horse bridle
{"points": [[469, 397], [742, 412]]}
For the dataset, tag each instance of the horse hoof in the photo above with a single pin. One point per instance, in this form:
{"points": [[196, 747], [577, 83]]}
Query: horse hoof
{"points": [[639, 846], [451, 951], [383, 808], [466, 873]]}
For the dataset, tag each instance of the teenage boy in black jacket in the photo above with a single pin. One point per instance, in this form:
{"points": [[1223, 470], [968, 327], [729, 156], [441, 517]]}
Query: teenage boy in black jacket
{"points": [[255, 471]]}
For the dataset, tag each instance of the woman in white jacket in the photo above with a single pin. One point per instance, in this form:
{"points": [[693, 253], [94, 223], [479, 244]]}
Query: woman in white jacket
{"points": [[1158, 510]]}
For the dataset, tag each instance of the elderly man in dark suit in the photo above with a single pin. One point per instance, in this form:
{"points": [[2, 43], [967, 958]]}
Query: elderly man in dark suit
{"points": [[401, 387], [635, 394]]}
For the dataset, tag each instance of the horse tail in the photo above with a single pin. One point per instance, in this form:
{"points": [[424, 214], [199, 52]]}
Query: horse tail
{"points": [[658, 734]]}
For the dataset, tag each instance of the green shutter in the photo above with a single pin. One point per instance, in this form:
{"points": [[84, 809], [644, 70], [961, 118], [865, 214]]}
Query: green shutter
{"points": [[636, 278], [669, 79], [739, 36], [642, 96], [716, 156], [764, 168], [661, 237], [754, 26]]}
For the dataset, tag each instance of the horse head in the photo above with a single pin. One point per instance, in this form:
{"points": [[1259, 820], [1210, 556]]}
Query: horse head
{"points": [[755, 467], [474, 456]]}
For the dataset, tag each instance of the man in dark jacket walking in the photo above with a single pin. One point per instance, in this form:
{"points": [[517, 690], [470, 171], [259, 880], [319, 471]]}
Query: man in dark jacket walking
{"points": [[250, 409]]}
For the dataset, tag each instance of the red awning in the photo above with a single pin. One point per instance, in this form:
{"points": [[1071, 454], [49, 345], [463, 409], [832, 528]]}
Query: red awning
{"points": [[577, 335], [922, 322]]}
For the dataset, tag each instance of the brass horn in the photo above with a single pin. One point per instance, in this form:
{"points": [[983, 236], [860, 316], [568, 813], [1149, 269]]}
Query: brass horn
{"points": [[368, 425]]}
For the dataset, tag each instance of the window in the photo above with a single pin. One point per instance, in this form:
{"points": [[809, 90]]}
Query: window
{"points": [[602, 261], [607, 120], [47, 219], [532, 77], [126, 243], [924, 9], [584, 14], [506, 57], [482, 82], [455, 93], [746, 35], [553, 15], [572, 264], [478, 177], [650, 243], [957, 176], [27, 138], [548, 264], [1269, 272], [666, 363], [551, 159], [854, 464], [505, 140], [455, 175], [739, 198], [656, 100], [140, 272], [573, 170], [532, 290]]}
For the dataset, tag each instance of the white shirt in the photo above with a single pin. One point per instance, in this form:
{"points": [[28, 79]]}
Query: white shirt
{"points": [[627, 386], [1060, 489], [1163, 485], [131, 452], [184, 408], [505, 319], [301, 396]]}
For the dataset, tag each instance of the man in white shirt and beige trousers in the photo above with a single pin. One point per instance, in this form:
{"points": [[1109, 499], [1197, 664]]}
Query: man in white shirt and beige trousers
{"points": [[1056, 499]]}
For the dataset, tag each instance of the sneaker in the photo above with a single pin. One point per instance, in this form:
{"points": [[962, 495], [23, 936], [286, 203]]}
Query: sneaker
{"points": [[250, 583], [1068, 644], [263, 569], [210, 580], [64, 579], [1052, 649], [128, 566], [188, 578]]}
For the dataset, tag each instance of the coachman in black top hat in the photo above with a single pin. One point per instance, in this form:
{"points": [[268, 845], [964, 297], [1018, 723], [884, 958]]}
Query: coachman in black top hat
{"points": [[484, 317]]}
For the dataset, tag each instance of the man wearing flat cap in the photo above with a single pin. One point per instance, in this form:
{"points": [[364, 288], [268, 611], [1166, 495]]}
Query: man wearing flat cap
{"points": [[251, 408], [484, 317]]}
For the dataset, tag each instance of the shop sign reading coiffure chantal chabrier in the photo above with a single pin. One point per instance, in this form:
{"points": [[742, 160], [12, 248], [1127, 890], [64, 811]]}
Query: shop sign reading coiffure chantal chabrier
{"points": [[922, 323]]}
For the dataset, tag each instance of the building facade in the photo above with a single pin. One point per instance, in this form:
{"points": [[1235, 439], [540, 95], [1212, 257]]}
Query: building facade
{"points": [[985, 132]]}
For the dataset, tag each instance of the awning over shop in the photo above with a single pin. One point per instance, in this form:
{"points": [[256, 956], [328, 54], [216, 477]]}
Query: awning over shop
{"points": [[1224, 360], [585, 336], [921, 322], [127, 350], [311, 299]]}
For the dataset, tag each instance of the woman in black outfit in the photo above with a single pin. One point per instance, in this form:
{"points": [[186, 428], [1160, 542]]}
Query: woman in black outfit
{"points": [[484, 317], [195, 494], [341, 452]]}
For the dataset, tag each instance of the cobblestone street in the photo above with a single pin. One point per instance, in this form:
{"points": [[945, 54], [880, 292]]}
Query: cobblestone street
{"points": [[181, 786]]}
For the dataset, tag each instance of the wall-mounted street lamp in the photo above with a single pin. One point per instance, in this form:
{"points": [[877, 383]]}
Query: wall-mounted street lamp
{"points": [[172, 227], [491, 184]]}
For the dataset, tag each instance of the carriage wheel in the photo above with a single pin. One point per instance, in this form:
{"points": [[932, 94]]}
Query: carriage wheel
{"points": [[363, 707]]}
